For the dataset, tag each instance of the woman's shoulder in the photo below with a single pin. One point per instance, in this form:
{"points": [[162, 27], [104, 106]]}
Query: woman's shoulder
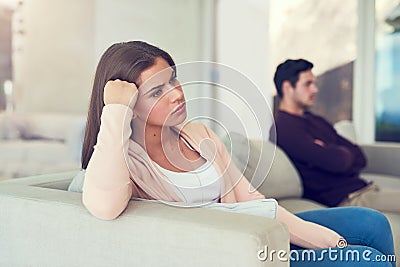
{"points": [[196, 129]]}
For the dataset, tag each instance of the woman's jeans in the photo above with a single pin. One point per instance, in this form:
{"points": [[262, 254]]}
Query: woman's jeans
{"points": [[367, 229]]}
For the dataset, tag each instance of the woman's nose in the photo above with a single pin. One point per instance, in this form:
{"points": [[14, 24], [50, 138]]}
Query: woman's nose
{"points": [[175, 93]]}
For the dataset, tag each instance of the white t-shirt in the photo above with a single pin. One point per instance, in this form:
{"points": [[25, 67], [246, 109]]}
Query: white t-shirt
{"points": [[202, 185]]}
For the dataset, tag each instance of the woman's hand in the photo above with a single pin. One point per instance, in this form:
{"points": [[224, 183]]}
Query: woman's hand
{"points": [[119, 92]]}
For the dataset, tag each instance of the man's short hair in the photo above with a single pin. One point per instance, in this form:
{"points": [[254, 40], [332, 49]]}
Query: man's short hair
{"points": [[290, 71]]}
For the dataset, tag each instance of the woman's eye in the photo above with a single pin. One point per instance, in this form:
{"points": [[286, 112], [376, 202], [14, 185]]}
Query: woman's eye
{"points": [[157, 93]]}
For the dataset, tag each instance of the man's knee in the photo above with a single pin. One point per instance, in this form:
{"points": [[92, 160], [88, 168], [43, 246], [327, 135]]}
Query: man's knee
{"points": [[372, 218]]}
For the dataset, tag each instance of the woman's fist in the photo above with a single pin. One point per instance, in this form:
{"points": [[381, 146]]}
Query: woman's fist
{"points": [[120, 92]]}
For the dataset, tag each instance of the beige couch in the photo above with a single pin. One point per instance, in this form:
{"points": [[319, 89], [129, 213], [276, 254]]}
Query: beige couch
{"points": [[283, 181], [42, 224]]}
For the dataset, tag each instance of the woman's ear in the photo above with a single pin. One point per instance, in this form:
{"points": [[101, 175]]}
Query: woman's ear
{"points": [[134, 115]]}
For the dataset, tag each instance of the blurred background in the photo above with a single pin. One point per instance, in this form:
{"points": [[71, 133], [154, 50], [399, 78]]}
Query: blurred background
{"points": [[49, 50]]}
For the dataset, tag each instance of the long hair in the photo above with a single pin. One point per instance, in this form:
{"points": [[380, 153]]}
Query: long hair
{"points": [[124, 61]]}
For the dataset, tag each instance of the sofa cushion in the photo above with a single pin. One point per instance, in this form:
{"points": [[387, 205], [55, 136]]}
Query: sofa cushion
{"points": [[382, 180], [265, 165], [296, 205], [52, 228], [53, 126], [346, 129], [11, 126], [394, 220], [77, 182], [37, 143], [23, 158]]}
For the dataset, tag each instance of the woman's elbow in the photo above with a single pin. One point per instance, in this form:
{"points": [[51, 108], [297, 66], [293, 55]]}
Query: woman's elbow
{"points": [[103, 210]]}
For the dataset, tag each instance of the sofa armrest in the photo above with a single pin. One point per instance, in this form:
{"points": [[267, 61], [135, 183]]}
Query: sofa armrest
{"points": [[49, 227], [382, 158], [59, 180]]}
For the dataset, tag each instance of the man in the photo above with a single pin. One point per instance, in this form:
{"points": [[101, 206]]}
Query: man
{"points": [[329, 164]]}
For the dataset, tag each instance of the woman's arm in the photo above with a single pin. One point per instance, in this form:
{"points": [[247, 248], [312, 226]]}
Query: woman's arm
{"points": [[107, 187], [302, 233], [307, 234]]}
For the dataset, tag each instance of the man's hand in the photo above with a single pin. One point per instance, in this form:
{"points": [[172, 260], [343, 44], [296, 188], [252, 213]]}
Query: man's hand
{"points": [[319, 142], [119, 92]]}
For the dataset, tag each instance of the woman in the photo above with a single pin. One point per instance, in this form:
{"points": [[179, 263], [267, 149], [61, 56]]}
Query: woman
{"points": [[135, 146]]}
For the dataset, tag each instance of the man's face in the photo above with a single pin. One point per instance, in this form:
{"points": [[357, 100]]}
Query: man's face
{"points": [[303, 94]]}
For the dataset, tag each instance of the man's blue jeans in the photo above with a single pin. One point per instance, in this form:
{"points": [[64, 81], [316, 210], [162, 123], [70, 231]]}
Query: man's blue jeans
{"points": [[367, 229]]}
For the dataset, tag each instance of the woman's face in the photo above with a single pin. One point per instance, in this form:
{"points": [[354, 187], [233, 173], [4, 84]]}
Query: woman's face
{"points": [[160, 101]]}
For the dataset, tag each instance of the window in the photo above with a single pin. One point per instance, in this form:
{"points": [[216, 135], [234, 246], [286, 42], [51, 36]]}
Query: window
{"points": [[325, 33], [387, 80]]}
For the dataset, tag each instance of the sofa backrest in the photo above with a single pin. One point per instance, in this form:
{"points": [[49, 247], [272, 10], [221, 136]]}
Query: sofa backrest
{"points": [[265, 165], [52, 126], [346, 129]]}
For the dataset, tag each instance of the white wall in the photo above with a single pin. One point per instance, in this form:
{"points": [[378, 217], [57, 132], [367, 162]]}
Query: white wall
{"points": [[176, 26], [172, 25], [242, 43], [53, 59]]}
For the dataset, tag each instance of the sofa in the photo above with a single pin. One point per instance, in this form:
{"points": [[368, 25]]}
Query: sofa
{"points": [[272, 172], [43, 224], [38, 143]]}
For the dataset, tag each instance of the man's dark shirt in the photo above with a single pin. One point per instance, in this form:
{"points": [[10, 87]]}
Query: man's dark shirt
{"points": [[329, 172]]}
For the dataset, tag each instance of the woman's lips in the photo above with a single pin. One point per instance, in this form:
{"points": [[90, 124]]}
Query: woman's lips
{"points": [[179, 109]]}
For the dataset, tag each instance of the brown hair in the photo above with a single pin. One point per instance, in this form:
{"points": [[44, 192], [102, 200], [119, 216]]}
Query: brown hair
{"points": [[290, 71], [124, 61]]}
